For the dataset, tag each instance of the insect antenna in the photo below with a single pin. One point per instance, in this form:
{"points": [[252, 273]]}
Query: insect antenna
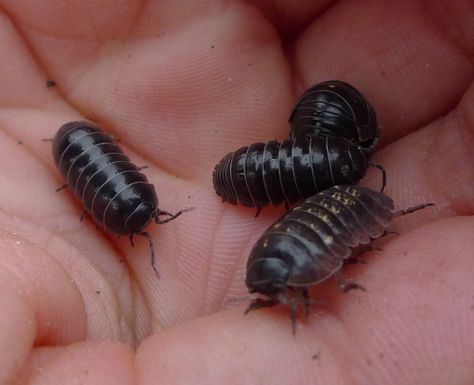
{"points": [[169, 215]]}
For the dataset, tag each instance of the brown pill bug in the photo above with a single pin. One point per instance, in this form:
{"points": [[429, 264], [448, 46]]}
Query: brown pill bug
{"points": [[111, 188], [313, 241], [335, 108], [288, 171]]}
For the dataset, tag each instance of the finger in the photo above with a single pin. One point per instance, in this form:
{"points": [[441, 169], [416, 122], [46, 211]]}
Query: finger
{"points": [[434, 164], [416, 316], [88, 363], [289, 19], [38, 310], [412, 60], [196, 77]]}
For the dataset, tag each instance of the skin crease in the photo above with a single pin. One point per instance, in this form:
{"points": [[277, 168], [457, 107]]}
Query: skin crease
{"points": [[180, 86]]}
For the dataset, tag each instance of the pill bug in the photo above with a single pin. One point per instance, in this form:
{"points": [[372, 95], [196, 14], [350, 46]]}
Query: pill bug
{"points": [[312, 242], [111, 188], [338, 109], [295, 169]]}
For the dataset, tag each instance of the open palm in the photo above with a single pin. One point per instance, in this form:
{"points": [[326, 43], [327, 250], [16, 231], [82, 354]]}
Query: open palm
{"points": [[180, 85]]}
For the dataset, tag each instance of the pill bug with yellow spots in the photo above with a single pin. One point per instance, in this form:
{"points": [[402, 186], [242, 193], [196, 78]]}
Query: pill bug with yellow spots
{"points": [[313, 241]]}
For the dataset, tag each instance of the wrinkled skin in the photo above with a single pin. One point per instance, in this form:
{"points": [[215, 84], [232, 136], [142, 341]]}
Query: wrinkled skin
{"points": [[181, 86]]}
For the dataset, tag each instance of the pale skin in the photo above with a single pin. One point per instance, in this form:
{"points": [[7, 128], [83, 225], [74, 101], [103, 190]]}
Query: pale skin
{"points": [[181, 85]]}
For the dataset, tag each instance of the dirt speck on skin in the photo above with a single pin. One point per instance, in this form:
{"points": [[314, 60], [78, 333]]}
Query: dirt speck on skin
{"points": [[50, 83], [383, 73], [316, 356], [97, 291], [20, 142]]}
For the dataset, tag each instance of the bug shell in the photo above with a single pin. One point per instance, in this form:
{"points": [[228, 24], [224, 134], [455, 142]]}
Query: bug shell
{"points": [[338, 109], [290, 171], [309, 244], [110, 186]]}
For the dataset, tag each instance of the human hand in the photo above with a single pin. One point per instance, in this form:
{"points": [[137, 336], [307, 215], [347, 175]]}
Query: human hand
{"points": [[181, 86]]}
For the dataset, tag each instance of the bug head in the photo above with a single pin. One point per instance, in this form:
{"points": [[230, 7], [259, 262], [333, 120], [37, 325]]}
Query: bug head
{"points": [[140, 217], [268, 276]]}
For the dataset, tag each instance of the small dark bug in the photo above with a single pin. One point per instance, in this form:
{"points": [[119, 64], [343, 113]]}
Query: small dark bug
{"points": [[335, 108], [313, 241], [112, 189], [292, 170]]}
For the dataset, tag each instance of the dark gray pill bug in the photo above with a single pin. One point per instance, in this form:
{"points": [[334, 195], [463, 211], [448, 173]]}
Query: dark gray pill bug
{"points": [[290, 171], [111, 188], [311, 243], [336, 108]]}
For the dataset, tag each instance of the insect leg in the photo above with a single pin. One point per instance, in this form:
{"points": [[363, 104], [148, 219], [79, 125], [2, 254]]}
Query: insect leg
{"points": [[354, 260], [306, 301], [130, 238], [259, 303], [258, 211], [346, 286], [384, 174], [364, 248], [61, 188], [293, 311], [412, 209], [152, 249]]}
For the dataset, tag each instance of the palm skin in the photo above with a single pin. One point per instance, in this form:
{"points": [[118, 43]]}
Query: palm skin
{"points": [[180, 86]]}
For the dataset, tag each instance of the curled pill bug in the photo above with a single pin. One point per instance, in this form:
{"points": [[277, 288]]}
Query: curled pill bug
{"points": [[288, 171], [313, 241], [336, 108], [111, 188]]}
